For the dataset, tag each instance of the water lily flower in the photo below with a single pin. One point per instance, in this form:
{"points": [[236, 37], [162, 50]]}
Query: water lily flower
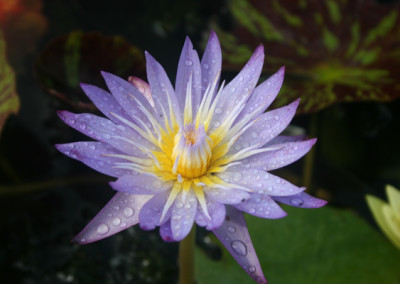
{"points": [[387, 215], [197, 153]]}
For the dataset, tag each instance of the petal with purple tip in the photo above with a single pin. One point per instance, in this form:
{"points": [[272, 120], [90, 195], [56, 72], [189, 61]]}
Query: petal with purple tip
{"points": [[301, 199], [216, 211], [262, 206], [289, 153], [120, 213], [183, 214], [259, 181], [189, 65], [104, 101], [211, 63], [242, 85], [264, 94], [140, 184], [143, 87], [92, 155], [150, 215], [268, 126], [234, 235], [125, 94], [161, 87], [104, 130], [166, 232]]}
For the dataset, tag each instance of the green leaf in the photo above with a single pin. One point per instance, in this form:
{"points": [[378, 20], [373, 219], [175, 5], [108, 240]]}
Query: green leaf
{"points": [[356, 47], [324, 245], [9, 101], [79, 57]]}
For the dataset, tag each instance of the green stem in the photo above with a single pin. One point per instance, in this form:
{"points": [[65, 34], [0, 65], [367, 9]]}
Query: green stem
{"points": [[186, 258], [309, 159]]}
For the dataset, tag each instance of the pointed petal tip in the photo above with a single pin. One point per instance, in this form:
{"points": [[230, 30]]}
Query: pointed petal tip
{"points": [[282, 70]]}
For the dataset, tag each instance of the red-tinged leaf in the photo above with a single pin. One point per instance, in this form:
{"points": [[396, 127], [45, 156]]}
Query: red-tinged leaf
{"points": [[334, 51], [79, 57], [9, 101], [23, 24]]}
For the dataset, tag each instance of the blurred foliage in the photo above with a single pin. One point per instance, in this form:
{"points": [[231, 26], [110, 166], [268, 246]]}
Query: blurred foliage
{"points": [[23, 24], [311, 246], [334, 50], [79, 57], [9, 101]]}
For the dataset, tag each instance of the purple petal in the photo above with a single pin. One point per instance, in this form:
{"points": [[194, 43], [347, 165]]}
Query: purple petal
{"points": [[226, 195], [284, 139], [123, 92], [104, 130], [120, 213], [242, 85], [259, 181], [92, 155], [150, 214], [234, 235], [184, 210], [140, 184], [189, 65], [161, 87], [104, 101], [166, 231], [267, 127], [302, 200], [211, 62], [264, 94], [216, 211], [291, 152], [143, 87], [262, 206]]}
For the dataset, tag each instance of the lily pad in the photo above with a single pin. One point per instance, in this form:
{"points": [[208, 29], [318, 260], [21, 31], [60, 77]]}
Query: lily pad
{"points": [[325, 245], [79, 57], [9, 101], [334, 51]]}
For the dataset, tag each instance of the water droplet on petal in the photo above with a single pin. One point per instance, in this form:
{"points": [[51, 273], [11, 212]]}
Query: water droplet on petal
{"points": [[218, 110], [276, 117], [116, 221], [239, 247], [252, 269], [189, 62], [231, 229], [82, 126], [233, 89], [71, 121], [128, 212], [157, 184], [254, 134], [237, 177], [206, 66], [179, 205], [102, 229], [297, 202]]}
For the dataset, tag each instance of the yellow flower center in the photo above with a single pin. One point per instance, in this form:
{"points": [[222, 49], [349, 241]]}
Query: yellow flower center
{"points": [[192, 151]]}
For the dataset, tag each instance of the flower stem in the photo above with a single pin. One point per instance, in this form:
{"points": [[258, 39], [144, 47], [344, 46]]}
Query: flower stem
{"points": [[309, 159], [186, 258]]}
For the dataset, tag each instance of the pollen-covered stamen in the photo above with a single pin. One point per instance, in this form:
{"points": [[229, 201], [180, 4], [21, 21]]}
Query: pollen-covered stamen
{"points": [[192, 151]]}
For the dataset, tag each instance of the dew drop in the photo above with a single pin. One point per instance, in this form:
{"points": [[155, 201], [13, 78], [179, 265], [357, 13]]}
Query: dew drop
{"points": [[120, 89], [179, 205], [276, 117], [82, 126], [102, 229], [237, 176], [233, 89], [123, 225], [206, 66], [231, 229], [128, 212], [71, 121], [217, 124], [254, 134], [107, 136], [252, 269], [83, 240], [188, 206], [116, 221], [116, 207], [239, 247], [189, 62], [218, 110], [92, 147], [297, 202]]}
